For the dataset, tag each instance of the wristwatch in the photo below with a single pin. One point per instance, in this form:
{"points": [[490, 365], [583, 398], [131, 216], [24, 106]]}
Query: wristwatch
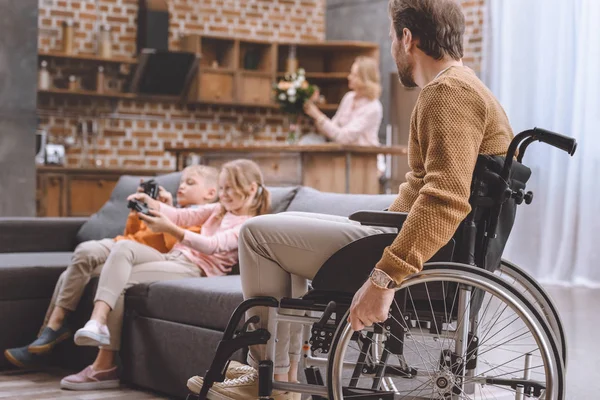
{"points": [[382, 280]]}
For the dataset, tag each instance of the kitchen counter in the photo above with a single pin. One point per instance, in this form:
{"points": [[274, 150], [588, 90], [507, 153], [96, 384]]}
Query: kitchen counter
{"points": [[328, 167]]}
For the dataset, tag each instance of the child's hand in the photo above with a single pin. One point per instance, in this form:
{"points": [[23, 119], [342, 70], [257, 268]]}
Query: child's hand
{"points": [[164, 196], [143, 197], [159, 223]]}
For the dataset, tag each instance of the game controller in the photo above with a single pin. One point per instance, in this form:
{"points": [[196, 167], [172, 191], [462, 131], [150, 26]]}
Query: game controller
{"points": [[150, 188], [139, 206]]}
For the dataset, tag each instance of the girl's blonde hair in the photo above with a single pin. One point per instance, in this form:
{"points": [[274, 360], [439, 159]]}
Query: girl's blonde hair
{"points": [[241, 174], [368, 71]]}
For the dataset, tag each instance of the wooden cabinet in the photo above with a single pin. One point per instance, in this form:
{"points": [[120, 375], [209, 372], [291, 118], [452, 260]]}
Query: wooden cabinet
{"points": [[216, 86], [242, 72], [77, 192]]}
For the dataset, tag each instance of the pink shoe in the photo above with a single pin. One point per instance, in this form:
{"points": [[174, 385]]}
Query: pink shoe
{"points": [[88, 379]]}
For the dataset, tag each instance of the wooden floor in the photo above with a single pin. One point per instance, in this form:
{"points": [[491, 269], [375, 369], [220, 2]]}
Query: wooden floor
{"points": [[17, 385]]}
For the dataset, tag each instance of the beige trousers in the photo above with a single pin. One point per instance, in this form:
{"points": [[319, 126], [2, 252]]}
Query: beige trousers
{"points": [[86, 263], [278, 255], [130, 263], [120, 265]]}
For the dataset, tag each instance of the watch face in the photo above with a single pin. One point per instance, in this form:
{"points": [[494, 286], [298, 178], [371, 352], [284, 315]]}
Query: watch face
{"points": [[380, 279]]}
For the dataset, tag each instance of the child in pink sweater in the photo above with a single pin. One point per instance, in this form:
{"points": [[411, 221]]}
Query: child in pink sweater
{"points": [[212, 252]]}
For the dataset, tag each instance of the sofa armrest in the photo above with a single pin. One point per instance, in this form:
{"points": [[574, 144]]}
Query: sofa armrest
{"points": [[31, 235]]}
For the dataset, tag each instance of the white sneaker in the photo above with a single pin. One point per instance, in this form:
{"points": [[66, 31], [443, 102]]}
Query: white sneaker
{"points": [[93, 334], [242, 388]]}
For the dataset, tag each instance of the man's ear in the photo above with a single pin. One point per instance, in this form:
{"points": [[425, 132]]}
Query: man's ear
{"points": [[407, 41]]}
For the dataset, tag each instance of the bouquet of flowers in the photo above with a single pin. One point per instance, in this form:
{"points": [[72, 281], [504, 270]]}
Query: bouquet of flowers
{"points": [[292, 92]]}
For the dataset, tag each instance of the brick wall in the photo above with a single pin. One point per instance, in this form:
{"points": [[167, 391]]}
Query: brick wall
{"points": [[474, 12], [133, 134]]}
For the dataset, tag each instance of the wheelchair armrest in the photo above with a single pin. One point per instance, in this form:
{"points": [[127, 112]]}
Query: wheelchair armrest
{"points": [[380, 218]]}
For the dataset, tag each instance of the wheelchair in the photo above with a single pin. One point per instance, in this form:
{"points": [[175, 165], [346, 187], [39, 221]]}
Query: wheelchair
{"points": [[470, 325]]}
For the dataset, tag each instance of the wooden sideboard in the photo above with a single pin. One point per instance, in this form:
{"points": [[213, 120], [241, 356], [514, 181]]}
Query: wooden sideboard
{"points": [[327, 167], [77, 192]]}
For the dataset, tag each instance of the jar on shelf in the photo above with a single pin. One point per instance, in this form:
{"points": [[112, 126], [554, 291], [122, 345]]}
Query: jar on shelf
{"points": [[44, 77], [105, 45], [68, 36]]}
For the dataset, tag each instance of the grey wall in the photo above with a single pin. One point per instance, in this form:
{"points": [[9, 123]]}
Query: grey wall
{"points": [[18, 83], [365, 20]]}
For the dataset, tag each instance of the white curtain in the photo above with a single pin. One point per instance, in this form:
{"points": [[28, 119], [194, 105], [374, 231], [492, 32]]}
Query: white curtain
{"points": [[542, 61]]}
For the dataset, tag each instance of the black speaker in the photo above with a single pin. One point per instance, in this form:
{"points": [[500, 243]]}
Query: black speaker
{"points": [[153, 25]]}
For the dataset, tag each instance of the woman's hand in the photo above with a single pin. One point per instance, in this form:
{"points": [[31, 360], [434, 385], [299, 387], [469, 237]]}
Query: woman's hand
{"points": [[159, 223], [143, 197], [315, 96], [312, 110]]}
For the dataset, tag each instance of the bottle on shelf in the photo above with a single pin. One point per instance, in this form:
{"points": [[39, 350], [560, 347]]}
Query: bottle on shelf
{"points": [[105, 45], [67, 36], [292, 61], [44, 77], [73, 83], [100, 80]]}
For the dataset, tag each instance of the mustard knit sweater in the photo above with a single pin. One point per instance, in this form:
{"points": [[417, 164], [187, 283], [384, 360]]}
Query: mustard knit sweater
{"points": [[456, 118]]}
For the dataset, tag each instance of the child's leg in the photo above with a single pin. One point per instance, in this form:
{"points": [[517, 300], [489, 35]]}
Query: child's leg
{"points": [[86, 262]]}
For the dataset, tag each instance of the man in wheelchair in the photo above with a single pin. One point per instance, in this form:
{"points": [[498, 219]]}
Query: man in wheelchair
{"points": [[384, 342]]}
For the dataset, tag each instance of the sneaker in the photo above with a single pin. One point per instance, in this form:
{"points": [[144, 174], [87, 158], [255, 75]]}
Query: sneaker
{"points": [[93, 334], [48, 339], [22, 358], [241, 388], [89, 379], [234, 370]]}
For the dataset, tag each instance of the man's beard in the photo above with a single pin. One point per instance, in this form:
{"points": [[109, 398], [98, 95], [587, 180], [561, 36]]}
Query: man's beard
{"points": [[405, 72]]}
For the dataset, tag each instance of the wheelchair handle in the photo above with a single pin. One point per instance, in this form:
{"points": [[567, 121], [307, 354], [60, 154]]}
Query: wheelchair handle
{"points": [[557, 140]]}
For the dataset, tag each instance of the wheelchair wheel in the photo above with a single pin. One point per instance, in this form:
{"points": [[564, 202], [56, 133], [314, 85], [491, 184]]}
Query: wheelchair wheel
{"points": [[454, 332], [536, 294]]}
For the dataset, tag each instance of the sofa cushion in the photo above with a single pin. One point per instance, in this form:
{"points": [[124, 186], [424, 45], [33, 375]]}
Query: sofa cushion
{"points": [[281, 197], [314, 201], [110, 220], [203, 302], [30, 275]]}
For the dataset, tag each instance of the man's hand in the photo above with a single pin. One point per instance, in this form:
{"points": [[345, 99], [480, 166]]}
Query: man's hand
{"points": [[143, 197], [159, 223], [370, 305]]}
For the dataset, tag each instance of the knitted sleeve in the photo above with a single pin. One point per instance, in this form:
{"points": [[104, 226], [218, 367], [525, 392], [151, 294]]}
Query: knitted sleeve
{"points": [[450, 124]]}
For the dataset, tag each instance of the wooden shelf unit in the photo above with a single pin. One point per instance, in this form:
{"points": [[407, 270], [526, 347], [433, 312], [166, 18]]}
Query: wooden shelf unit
{"points": [[245, 70], [87, 57], [89, 93]]}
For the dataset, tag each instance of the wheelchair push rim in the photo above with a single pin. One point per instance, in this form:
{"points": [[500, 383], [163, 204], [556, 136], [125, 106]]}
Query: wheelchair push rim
{"points": [[543, 338], [514, 274]]}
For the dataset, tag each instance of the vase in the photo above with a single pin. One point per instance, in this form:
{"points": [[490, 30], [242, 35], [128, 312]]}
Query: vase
{"points": [[294, 133]]}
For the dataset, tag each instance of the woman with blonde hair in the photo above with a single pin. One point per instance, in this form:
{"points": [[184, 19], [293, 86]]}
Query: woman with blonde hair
{"points": [[359, 116]]}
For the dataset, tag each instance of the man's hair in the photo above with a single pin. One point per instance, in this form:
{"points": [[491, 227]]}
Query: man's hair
{"points": [[439, 25], [209, 174]]}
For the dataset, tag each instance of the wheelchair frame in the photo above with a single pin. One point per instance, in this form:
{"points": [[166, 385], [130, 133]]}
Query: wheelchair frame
{"points": [[330, 328]]}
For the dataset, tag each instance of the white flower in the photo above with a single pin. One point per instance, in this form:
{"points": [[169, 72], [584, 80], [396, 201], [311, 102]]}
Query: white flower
{"points": [[294, 76], [301, 79], [282, 97], [301, 72], [292, 99], [291, 92], [297, 84]]}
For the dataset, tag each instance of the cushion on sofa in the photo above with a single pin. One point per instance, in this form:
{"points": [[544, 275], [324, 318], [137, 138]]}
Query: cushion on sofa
{"points": [[281, 197], [110, 220], [200, 302], [314, 201]]}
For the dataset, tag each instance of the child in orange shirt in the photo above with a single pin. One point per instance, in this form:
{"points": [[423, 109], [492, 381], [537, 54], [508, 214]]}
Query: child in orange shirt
{"points": [[198, 186]]}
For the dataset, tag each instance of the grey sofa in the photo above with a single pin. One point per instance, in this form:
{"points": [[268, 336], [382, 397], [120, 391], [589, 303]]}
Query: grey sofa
{"points": [[171, 328]]}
